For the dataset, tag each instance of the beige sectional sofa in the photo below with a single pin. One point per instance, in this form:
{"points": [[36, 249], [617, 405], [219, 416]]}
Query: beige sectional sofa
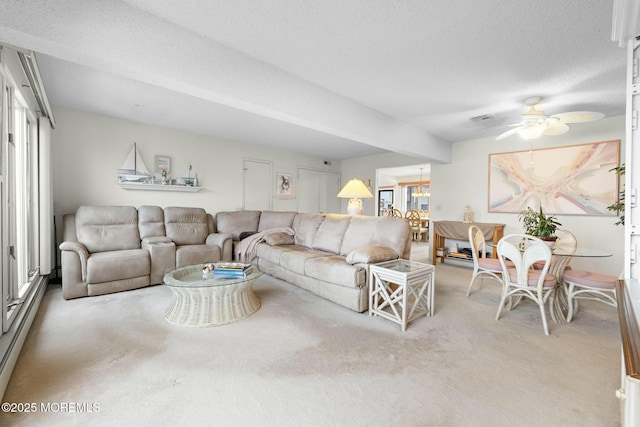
{"points": [[116, 248], [109, 249], [328, 254]]}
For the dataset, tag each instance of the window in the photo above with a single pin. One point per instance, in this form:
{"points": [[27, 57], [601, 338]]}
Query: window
{"points": [[412, 202], [385, 200], [18, 197], [26, 225]]}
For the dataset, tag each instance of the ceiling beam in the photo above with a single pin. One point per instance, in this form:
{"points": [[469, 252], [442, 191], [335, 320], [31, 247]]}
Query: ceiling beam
{"points": [[127, 42]]}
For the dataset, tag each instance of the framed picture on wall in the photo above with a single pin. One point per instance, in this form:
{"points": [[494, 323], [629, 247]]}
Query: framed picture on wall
{"points": [[162, 163], [573, 179], [284, 185]]}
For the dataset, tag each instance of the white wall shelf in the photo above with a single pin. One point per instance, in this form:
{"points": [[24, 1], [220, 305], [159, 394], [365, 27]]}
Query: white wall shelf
{"points": [[158, 187]]}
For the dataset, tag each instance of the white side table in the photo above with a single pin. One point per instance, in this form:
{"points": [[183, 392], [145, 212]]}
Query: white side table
{"points": [[401, 290]]}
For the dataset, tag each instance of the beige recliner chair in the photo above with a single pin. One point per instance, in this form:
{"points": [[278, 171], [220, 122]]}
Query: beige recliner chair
{"points": [[101, 252], [191, 230]]}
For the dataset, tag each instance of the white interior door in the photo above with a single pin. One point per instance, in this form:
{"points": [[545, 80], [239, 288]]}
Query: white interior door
{"points": [[317, 191], [257, 185], [329, 189]]}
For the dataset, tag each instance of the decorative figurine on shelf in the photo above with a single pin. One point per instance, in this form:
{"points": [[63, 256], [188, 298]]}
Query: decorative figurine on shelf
{"points": [[165, 178], [468, 215], [189, 181]]}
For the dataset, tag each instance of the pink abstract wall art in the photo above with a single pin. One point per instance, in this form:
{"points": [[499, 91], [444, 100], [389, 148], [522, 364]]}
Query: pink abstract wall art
{"points": [[574, 179]]}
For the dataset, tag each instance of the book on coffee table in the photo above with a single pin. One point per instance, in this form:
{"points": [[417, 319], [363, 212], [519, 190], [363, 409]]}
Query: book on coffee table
{"points": [[231, 270]]}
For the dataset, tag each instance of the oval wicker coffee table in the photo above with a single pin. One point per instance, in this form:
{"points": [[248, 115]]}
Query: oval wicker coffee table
{"points": [[212, 301]]}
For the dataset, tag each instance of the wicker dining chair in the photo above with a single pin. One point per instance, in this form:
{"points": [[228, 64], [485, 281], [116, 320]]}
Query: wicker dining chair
{"points": [[396, 213], [415, 222], [523, 280], [566, 242], [483, 267], [588, 285]]}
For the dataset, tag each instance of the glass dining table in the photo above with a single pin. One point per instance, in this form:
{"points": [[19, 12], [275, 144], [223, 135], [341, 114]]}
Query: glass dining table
{"points": [[560, 259]]}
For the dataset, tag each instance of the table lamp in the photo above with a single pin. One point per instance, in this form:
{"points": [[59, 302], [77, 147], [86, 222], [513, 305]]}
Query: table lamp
{"points": [[354, 190]]}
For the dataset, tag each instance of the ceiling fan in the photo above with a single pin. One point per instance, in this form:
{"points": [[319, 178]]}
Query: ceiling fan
{"points": [[534, 123]]}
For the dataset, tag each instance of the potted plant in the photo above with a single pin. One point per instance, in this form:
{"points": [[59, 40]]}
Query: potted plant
{"points": [[538, 224], [618, 207]]}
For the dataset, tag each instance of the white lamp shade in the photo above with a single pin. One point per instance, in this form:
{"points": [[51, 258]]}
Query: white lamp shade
{"points": [[355, 188]]}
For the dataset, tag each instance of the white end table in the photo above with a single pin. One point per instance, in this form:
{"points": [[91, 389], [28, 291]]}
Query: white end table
{"points": [[401, 290]]}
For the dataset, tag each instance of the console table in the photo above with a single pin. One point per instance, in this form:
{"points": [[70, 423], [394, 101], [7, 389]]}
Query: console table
{"points": [[458, 230]]}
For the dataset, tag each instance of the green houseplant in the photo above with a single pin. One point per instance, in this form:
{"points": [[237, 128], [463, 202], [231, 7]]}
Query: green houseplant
{"points": [[538, 224], [618, 207]]}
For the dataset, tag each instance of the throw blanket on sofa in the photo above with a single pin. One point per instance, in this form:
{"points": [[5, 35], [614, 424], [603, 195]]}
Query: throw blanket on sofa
{"points": [[246, 249]]}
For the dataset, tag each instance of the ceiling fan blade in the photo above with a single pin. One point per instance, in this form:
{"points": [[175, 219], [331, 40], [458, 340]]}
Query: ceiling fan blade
{"points": [[579, 116], [510, 132], [556, 127]]}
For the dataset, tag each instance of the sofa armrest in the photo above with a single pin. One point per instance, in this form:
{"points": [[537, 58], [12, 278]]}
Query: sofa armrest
{"points": [[224, 241], [156, 239], [162, 252], [83, 255], [371, 255]]}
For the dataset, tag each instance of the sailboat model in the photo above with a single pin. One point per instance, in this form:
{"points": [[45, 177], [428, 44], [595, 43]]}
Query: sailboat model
{"points": [[133, 169]]}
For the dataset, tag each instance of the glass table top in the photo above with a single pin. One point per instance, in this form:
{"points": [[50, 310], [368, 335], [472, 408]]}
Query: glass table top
{"points": [[402, 265], [579, 252], [193, 276]]}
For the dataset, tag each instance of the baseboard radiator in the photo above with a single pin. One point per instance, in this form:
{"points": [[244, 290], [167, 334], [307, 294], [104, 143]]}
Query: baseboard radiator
{"points": [[11, 341], [628, 295]]}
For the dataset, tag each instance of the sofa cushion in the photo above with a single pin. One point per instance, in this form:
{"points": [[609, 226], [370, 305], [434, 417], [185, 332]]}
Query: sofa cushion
{"points": [[330, 233], [371, 255], [186, 226], [118, 265], [294, 260], [334, 269], [375, 231], [273, 253], [151, 221], [279, 238], [237, 222], [305, 227], [274, 219], [107, 228]]}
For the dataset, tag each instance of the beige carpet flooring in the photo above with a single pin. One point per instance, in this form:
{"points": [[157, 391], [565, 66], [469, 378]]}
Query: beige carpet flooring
{"points": [[303, 361]]}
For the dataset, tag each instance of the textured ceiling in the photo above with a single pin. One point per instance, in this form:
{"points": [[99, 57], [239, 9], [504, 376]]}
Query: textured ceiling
{"points": [[333, 78]]}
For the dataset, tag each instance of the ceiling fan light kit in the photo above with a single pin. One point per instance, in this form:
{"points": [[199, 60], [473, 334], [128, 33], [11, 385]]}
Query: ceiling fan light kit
{"points": [[534, 123], [530, 132]]}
